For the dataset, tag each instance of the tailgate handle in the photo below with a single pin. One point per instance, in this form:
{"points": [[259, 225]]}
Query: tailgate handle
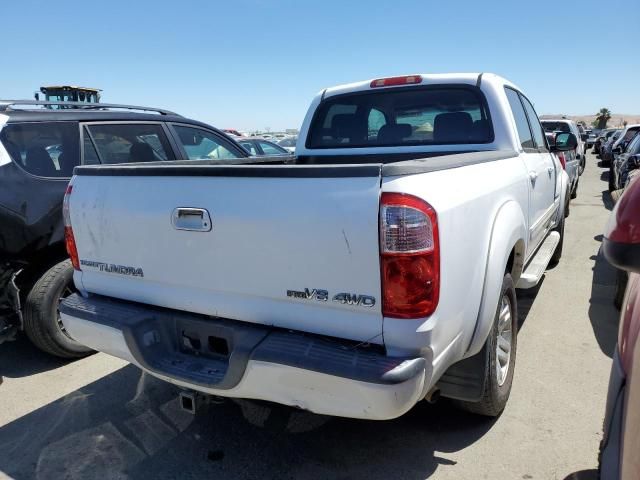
{"points": [[192, 219]]}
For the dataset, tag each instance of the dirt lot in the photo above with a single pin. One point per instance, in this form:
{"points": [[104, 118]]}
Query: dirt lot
{"points": [[102, 418]]}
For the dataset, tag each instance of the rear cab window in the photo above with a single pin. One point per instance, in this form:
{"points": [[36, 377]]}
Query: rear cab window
{"points": [[44, 149], [432, 115]]}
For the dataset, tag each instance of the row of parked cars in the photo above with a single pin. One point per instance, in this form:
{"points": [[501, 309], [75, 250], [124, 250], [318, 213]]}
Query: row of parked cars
{"points": [[328, 281], [620, 151]]}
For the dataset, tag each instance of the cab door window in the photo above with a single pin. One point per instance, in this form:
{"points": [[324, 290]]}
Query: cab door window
{"points": [[520, 117], [536, 128]]}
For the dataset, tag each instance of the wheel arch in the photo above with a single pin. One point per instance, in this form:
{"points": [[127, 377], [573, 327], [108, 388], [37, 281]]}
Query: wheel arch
{"points": [[37, 265], [506, 253]]}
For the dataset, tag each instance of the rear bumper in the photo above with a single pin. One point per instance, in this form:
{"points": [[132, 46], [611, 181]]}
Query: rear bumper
{"points": [[236, 359]]}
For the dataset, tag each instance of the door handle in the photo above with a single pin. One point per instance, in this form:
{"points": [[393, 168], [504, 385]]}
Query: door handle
{"points": [[192, 219], [550, 170], [533, 177]]}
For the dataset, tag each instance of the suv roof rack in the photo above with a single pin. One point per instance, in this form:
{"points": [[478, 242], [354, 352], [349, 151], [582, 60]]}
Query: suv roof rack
{"points": [[6, 105]]}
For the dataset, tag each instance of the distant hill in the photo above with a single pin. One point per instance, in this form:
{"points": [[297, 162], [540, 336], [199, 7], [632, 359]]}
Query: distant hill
{"points": [[616, 120]]}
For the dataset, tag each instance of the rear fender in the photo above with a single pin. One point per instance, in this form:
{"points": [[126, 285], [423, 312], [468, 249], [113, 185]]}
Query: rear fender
{"points": [[507, 234]]}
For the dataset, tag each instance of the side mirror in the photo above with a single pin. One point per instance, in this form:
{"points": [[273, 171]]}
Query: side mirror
{"points": [[617, 150], [621, 244], [565, 142], [584, 137]]}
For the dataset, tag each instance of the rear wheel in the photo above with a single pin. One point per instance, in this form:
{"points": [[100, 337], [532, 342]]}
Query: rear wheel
{"points": [[574, 194], [500, 354], [42, 322], [612, 186], [621, 285]]}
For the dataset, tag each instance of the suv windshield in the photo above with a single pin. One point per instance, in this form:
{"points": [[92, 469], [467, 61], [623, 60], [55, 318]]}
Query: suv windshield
{"points": [[555, 126], [398, 117]]}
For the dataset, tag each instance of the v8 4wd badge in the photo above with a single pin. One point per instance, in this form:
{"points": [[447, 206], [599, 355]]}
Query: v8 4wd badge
{"points": [[342, 297]]}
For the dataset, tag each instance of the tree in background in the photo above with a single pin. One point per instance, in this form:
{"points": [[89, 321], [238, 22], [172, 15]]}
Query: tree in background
{"points": [[603, 116]]}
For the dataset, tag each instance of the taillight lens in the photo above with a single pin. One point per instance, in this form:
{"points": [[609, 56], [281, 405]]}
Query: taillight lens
{"points": [[409, 256], [563, 160], [69, 241]]}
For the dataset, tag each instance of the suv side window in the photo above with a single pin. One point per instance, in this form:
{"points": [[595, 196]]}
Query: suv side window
{"points": [[45, 149], [269, 149], [538, 133], [249, 146], [130, 142], [89, 155], [200, 144], [524, 132]]}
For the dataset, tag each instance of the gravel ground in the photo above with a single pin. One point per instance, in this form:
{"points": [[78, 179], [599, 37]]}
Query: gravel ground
{"points": [[100, 418]]}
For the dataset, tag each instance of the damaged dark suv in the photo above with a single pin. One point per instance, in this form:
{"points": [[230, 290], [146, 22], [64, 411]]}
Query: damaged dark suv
{"points": [[40, 144]]}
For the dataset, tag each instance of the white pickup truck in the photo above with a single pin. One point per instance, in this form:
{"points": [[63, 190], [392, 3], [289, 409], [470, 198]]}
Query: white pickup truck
{"points": [[375, 270]]}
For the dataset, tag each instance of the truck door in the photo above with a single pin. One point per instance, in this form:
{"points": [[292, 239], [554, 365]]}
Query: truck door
{"points": [[546, 181], [540, 170]]}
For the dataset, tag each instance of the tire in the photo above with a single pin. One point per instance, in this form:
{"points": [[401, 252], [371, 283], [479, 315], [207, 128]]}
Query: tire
{"points": [[555, 258], [621, 285], [498, 377], [582, 165], [42, 319], [574, 193], [612, 186]]}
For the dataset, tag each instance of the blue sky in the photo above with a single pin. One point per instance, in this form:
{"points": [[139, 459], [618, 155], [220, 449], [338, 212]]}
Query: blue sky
{"points": [[251, 64]]}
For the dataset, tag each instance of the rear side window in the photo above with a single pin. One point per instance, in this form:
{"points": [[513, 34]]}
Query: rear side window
{"points": [[524, 133], [634, 146], [399, 117], [271, 149], [203, 145], [630, 134], [130, 143], [45, 149], [90, 156], [249, 147], [556, 126]]}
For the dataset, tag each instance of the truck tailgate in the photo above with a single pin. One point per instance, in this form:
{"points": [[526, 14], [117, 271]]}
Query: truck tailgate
{"points": [[296, 249]]}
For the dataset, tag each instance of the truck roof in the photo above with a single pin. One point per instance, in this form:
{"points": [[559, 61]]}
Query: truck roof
{"points": [[426, 79]]}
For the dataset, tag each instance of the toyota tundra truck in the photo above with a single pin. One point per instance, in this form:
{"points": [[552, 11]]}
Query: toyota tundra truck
{"points": [[376, 269]]}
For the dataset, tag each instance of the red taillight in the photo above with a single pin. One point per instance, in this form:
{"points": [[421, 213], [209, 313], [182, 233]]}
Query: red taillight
{"points": [[563, 160], [69, 241], [409, 256], [393, 81]]}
